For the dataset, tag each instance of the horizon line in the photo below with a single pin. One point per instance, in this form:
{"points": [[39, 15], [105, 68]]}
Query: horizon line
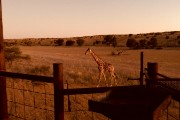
{"points": [[92, 35]]}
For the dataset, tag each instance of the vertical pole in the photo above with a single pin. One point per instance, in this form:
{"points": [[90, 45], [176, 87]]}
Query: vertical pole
{"points": [[3, 96], [69, 103], [141, 68], [58, 91], [152, 73]]}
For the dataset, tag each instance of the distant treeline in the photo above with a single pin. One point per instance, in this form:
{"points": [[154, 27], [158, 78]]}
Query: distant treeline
{"points": [[134, 41]]}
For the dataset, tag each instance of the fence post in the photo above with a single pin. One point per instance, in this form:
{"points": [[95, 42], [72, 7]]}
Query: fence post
{"points": [[58, 91], [69, 103], [152, 69], [3, 96], [141, 68]]}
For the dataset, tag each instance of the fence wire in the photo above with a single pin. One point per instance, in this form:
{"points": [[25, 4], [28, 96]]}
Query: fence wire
{"points": [[171, 84]]}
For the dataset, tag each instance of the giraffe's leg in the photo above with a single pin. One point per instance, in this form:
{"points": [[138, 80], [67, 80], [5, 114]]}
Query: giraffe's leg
{"points": [[113, 77], [105, 78], [100, 75]]}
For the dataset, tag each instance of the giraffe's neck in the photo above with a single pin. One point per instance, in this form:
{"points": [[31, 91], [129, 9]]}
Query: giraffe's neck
{"points": [[96, 58]]}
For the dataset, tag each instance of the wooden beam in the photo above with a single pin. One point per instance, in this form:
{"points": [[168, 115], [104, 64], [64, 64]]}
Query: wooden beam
{"points": [[168, 79], [98, 89], [164, 105], [3, 96], [27, 77]]}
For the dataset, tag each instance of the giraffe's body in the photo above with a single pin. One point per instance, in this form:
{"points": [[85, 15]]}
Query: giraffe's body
{"points": [[103, 67]]}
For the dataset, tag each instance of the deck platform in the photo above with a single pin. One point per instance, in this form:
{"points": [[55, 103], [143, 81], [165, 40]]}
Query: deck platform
{"points": [[132, 103]]}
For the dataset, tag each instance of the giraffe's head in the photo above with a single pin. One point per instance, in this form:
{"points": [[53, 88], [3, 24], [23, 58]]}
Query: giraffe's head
{"points": [[87, 51]]}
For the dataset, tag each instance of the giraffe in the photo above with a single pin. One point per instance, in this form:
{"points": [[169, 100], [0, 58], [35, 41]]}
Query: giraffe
{"points": [[103, 67]]}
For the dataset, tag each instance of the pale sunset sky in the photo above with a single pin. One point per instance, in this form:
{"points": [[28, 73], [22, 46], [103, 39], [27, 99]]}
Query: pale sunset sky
{"points": [[75, 18]]}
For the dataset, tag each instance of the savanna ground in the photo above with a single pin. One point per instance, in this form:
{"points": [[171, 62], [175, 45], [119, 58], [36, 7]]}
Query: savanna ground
{"points": [[80, 70]]}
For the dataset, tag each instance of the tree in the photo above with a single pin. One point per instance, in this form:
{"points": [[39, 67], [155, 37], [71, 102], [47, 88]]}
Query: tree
{"points": [[131, 43], [108, 39], [142, 43], [97, 42], [130, 35], [70, 43], [178, 37], [80, 42], [152, 43], [59, 42], [137, 45], [167, 37], [114, 41], [179, 42]]}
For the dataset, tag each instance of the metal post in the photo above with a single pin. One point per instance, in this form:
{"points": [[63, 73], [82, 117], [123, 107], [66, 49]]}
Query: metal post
{"points": [[3, 96], [58, 91], [141, 68], [152, 73]]}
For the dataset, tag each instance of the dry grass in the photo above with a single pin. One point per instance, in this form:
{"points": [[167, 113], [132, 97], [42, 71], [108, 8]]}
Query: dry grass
{"points": [[80, 70]]}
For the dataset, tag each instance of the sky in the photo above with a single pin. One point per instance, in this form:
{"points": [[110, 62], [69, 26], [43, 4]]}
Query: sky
{"points": [[76, 18]]}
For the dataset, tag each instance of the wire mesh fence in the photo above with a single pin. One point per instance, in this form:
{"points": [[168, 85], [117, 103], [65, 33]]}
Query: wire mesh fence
{"points": [[29, 100]]}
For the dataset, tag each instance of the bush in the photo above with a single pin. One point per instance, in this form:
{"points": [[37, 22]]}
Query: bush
{"points": [[173, 32], [152, 43], [70, 43], [178, 37], [14, 53], [130, 35], [98, 42], [80, 42], [59, 42], [167, 37], [28, 43], [114, 43], [43, 69], [131, 43], [179, 42], [159, 47], [143, 43], [110, 40]]}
